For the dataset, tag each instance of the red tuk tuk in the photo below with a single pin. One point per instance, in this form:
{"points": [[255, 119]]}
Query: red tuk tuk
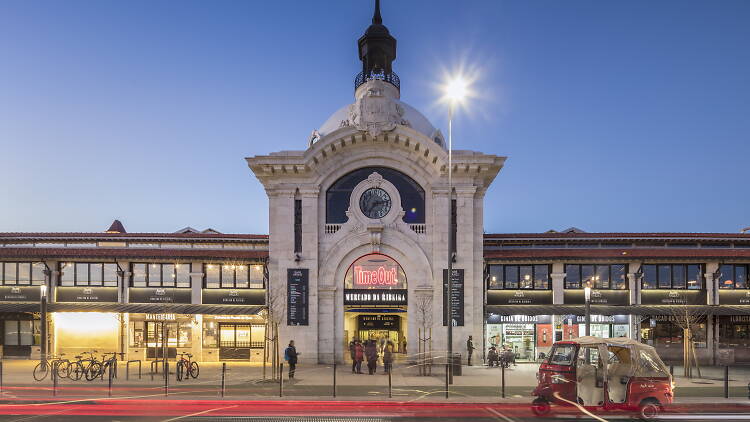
{"points": [[604, 374]]}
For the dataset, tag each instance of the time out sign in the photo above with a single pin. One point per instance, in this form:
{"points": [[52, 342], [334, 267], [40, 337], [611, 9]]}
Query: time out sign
{"points": [[375, 271]]}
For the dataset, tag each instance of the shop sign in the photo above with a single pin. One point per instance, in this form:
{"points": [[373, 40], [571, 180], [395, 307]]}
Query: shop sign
{"points": [[456, 297], [378, 322], [596, 319], [394, 297], [673, 297], [86, 294], [375, 271], [598, 297], [519, 297], [740, 318], [20, 294], [734, 297], [234, 296], [159, 295], [297, 296], [532, 319], [161, 317]]}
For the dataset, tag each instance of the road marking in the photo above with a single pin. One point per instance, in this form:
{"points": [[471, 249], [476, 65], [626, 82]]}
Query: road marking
{"points": [[693, 416], [199, 413], [581, 408], [498, 414]]}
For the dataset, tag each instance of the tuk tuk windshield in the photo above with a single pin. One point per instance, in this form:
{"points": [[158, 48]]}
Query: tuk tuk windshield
{"points": [[562, 354]]}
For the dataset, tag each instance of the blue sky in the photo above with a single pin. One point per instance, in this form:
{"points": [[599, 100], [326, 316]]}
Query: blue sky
{"points": [[615, 116]]}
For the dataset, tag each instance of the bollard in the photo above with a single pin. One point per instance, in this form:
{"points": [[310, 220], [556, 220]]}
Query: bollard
{"points": [[1, 377], [502, 380], [109, 388], [281, 380], [748, 390], [223, 371], [390, 384], [726, 382], [447, 368], [54, 380], [166, 377], [334, 379], [671, 370]]}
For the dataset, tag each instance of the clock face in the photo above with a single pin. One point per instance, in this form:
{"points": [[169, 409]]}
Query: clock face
{"points": [[375, 203]]}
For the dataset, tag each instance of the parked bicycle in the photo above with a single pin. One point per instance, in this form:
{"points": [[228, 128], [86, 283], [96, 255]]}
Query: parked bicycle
{"points": [[46, 366], [187, 368], [83, 365], [97, 369]]}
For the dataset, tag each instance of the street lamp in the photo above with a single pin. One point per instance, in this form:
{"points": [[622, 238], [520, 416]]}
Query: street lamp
{"points": [[587, 295], [43, 320], [455, 92]]}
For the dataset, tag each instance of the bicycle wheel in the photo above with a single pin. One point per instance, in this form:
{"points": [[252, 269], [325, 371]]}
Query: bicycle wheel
{"points": [[194, 370], [76, 371], [180, 370], [93, 371], [62, 369], [40, 370]]}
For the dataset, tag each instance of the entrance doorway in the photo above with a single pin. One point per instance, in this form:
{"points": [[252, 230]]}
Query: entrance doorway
{"points": [[381, 328], [234, 341], [155, 338]]}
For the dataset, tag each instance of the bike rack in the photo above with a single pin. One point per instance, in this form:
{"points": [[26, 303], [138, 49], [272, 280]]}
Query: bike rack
{"points": [[127, 368]]}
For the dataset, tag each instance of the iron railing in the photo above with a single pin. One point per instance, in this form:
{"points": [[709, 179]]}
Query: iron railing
{"points": [[391, 78]]}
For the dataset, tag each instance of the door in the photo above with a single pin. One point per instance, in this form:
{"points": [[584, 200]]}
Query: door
{"points": [[155, 339], [234, 341], [590, 374]]}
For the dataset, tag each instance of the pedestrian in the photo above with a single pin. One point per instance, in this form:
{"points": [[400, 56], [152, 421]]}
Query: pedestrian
{"points": [[492, 357], [359, 355], [352, 351], [388, 357], [382, 345], [290, 355], [371, 353], [469, 348]]}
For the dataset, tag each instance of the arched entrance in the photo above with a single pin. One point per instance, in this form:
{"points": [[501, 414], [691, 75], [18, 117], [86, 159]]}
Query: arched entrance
{"points": [[375, 301]]}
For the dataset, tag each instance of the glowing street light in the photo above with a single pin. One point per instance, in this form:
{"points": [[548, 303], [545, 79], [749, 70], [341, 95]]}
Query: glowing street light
{"points": [[587, 295], [455, 92]]}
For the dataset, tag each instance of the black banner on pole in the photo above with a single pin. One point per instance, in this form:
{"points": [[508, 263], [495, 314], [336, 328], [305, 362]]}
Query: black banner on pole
{"points": [[457, 297], [297, 293]]}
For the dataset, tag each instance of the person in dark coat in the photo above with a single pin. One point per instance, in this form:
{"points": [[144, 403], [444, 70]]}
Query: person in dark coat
{"points": [[352, 345], [469, 349], [290, 355], [371, 353]]}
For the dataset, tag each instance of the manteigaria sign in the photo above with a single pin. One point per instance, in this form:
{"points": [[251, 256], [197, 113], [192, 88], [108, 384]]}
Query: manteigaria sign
{"points": [[375, 271]]}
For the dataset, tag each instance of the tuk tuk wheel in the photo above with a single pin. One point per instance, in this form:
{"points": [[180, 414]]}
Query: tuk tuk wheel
{"points": [[649, 409], [540, 406]]}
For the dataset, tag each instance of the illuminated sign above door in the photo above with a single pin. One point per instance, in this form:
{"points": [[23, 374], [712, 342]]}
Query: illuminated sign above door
{"points": [[375, 271]]}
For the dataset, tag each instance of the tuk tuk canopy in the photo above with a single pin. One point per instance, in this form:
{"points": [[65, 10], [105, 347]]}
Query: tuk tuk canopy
{"points": [[630, 357]]}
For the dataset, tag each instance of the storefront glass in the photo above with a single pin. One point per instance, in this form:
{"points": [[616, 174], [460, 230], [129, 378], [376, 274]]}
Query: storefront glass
{"points": [[520, 339]]}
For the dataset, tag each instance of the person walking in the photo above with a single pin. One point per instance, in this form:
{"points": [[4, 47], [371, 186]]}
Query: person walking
{"points": [[469, 349], [359, 355], [371, 353], [388, 357], [290, 355]]}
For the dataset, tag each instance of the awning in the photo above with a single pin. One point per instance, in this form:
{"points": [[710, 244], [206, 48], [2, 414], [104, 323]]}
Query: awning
{"points": [[697, 310], [135, 308]]}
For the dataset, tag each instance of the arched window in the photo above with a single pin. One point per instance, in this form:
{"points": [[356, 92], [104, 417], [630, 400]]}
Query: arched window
{"points": [[412, 195]]}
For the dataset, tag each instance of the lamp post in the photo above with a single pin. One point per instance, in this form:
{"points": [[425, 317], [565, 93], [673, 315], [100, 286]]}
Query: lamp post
{"points": [[455, 92], [587, 295], [43, 322]]}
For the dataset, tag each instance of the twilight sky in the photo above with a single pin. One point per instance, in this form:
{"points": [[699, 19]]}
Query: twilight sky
{"points": [[615, 116]]}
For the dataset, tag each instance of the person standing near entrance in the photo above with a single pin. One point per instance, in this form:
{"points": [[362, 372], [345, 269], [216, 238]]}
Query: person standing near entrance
{"points": [[388, 357], [469, 349], [352, 350], [371, 353], [359, 355], [290, 355]]}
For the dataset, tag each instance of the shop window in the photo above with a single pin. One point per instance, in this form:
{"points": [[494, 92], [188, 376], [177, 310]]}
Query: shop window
{"points": [[22, 273], [137, 337], [160, 275], [88, 274], [234, 276], [733, 276], [21, 332], [210, 334], [733, 334], [670, 334], [612, 276], [672, 276], [518, 277]]}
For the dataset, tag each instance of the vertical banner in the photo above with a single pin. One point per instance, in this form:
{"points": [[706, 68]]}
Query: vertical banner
{"points": [[456, 297], [297, 293]]}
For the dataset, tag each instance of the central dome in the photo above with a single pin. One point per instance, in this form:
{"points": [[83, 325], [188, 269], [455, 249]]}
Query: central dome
{"points": [[416, 120]]}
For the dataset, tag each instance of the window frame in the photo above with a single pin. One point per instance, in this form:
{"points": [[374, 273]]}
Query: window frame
{"points": [[16, 282], [686, 273], [222, 284], [595, 273], [80, 283], [158, 268], [490, 285], [733, 286]]}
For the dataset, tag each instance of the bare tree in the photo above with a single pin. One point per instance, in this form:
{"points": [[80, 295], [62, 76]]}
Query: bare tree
{"points": [[688, 318], [423, 308], [274, 317]]}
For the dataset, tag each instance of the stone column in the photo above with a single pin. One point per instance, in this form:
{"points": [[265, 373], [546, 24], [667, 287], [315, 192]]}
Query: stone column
{"points": [[712, 283], [196, 282], [558, 283], [634, 289], [326, 336]]}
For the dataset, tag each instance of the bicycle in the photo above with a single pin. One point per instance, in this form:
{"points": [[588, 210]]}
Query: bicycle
{"points": [[187, 368], [47, 365], [97, 368]]}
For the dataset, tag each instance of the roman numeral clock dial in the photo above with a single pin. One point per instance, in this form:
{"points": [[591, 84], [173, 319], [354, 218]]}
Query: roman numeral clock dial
{"points": [[375, 203]]}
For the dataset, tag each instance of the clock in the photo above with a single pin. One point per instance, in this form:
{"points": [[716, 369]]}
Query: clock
{"points": [[375, 203]]}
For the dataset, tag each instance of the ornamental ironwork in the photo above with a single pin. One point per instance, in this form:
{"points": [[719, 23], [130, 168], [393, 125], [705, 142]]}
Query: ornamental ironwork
{"points": [[391, 78]]}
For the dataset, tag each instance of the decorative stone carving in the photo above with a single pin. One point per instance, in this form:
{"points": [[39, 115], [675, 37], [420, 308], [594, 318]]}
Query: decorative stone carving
{"points": [[375, 113]]}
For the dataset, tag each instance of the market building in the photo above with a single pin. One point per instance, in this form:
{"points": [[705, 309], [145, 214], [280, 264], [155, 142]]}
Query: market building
{"points": [[358, 248]]}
